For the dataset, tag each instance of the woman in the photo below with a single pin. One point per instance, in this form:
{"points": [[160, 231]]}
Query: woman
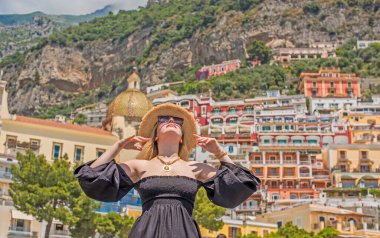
{"points": [[166, 181]]}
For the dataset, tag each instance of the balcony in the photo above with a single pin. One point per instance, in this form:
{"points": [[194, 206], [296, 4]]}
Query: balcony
{"points": [[273, 174], [257, 162], [305, 162], [321, 177], [60, 233], [272, 162], [19, 231], [305, 175], [290, 162], [5, 175]]}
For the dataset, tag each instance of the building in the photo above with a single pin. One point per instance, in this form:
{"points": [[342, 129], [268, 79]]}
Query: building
{"points": [[94, 114], [233, 227], [53, 139], [314, 217], [217, 69], [162, 86], [328, 105], [362, 44], [329, 83], [364, 127], [353, 165], [286, 55]]}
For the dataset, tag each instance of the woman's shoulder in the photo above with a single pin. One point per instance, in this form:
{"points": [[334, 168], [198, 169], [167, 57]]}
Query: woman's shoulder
{"points": [[133, 167]]}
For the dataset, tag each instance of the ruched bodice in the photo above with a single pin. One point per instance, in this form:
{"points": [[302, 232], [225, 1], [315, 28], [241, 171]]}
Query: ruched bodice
{"points": [[167, 201], [178, 190]]}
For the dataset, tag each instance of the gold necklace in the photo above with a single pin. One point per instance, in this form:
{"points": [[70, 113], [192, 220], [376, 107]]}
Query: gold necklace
{"points": [[166, 166]]}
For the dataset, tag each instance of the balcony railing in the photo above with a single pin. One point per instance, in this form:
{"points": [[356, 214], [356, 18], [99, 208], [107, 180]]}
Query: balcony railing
{"points": [[273, 175], [60, 233], [20, 231], [5, 175], [256, 161], [304, 174], [290, 162], [272, 161]]}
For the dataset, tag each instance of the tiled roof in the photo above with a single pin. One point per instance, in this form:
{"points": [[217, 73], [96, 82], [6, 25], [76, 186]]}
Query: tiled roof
{"points": [[68, 126]]}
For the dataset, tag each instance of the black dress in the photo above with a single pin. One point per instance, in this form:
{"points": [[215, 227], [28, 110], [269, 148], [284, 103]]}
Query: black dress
{"points": [[167, 201]]}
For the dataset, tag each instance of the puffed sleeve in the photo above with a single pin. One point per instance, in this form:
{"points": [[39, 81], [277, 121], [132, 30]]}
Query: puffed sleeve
{"points": [[107, 182], [231, 185]]}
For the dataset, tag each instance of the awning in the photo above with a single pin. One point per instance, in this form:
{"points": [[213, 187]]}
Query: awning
{"points": [[21, 216]]}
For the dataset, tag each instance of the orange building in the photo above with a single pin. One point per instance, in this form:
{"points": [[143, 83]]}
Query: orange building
{"points": [[329, 83]]}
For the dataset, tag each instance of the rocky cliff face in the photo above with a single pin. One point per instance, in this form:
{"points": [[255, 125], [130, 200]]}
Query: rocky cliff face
{"points": [[70, 69]]}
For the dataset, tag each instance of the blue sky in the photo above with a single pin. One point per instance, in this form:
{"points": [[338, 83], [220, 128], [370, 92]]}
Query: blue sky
{"points": [[75, 7]]}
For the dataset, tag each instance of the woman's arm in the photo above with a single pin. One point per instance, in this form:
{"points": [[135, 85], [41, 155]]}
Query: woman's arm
{"points": [[126, 143]]}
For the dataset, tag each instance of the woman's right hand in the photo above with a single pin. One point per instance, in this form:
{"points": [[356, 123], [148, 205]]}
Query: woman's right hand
{"points": [[132, 143]]}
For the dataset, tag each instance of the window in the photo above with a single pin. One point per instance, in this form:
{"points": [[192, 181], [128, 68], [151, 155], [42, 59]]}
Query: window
{"points": [[297, 142], [278, 128], [279, 224], [34, 144], [59, 227], [342, 154], [275, 196], [78, 153], [185, 104], [266, 128], [332, 91], [331, 84], [57, 150], [11, 141], [217, 121], [204, 109], [282, 142], [203, 150], [230, 149], [257, 171], [233, 120], [314, 92], [314, 84], [349, 84], [99, 152], [266, 141], [312, 142], [364, 154]]}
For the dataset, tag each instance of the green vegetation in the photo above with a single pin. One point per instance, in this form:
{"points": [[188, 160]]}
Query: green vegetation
{"points": [[251, 82], [290, 231], [259, 51], [170, 23], [49, 191], [206, 213], [312, 8]]}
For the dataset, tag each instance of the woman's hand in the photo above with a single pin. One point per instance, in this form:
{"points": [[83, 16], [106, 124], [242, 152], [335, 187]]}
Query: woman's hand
{"points": [[132, 143], [209, 144]]}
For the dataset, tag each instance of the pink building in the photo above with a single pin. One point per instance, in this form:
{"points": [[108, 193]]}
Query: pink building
{"points": [[329, 83], [217, 69]]}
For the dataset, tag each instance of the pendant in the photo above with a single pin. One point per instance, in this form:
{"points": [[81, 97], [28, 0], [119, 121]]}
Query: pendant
{"points": [[166, 168]]}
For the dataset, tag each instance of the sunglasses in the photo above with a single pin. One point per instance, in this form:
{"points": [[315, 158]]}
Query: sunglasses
{"points": [[176, 120]]}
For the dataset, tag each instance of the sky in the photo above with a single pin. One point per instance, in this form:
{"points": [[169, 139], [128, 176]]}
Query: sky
{"points": [[74, 7]]}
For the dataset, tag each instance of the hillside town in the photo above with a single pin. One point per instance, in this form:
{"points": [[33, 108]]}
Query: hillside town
{"points": [[317, 153]]}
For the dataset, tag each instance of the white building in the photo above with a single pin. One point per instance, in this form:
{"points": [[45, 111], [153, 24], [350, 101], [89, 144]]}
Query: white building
{"points": [[362, 44], [331, 104]]}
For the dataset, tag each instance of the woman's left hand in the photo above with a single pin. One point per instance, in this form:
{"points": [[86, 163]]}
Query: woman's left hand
{"points": [[209, 144]]}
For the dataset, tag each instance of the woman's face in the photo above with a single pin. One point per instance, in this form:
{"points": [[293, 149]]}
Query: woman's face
{"points": [[169, 126]]}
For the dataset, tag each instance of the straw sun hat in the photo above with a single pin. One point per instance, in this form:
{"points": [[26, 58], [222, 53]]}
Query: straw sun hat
{"points": [[149, 124]]}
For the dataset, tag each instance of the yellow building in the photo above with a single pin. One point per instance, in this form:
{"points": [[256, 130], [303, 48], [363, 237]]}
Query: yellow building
{"points": [[312, 217], [236, 227], [54, 139], [364, 128], [353, 165]]}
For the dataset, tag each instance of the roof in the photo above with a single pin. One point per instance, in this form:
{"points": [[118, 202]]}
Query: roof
{"points": [[334, 210], [68, 126]]}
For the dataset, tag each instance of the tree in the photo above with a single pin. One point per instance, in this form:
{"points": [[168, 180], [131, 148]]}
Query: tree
{"points": [[327, 232], [259, 51], [43, 190], [206, 213], [80, 119], [84, 222], [113, 224]]}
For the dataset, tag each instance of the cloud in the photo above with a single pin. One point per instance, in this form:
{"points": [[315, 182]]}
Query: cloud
{"points": [[75, 7]]}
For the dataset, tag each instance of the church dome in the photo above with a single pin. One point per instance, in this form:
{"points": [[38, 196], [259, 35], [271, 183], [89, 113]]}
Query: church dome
{"points": [[131, 103]]}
